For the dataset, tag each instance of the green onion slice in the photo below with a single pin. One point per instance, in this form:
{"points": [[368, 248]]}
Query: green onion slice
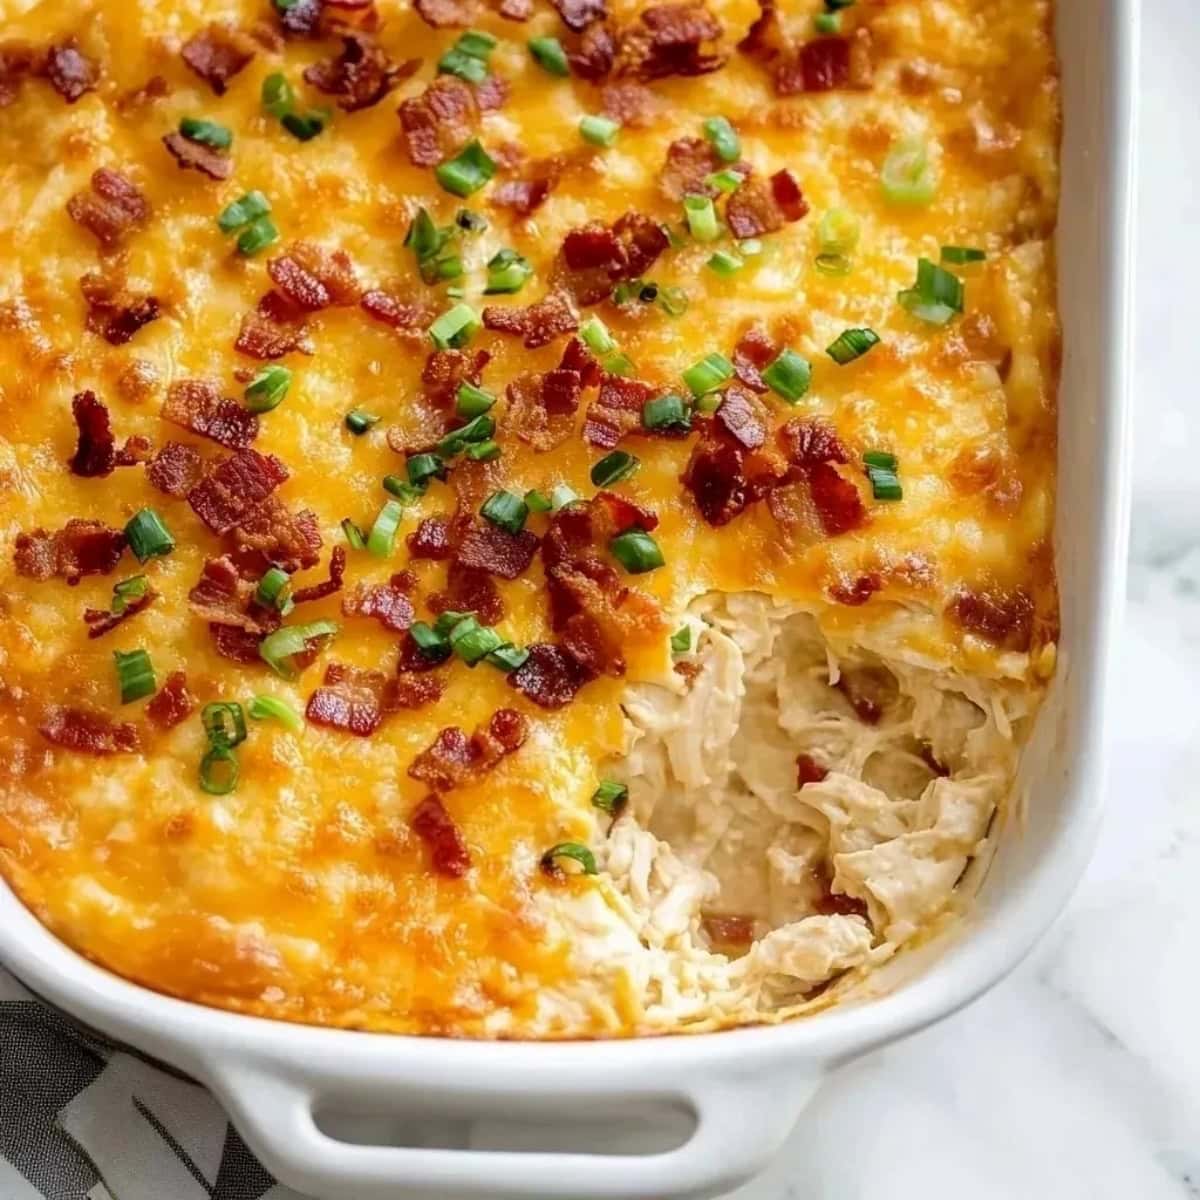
{"points": [[274, 591], [882, 471], [206, 133], [681, 640], [382, 538], [478, 429], [431, 644], [827, 23], [536, 502], [476, 43], [725, 180], [549, 54], [242, 211], [562, 495], [271, 708], [961, 255], [569, 850], [788, 376], [614, 467], [127, 591], [278, 96], [147, 536], [468, 172], [724, 264], [471, 401], [596, 337], [701, 218], [708, 374], [224, 723], [278, 648], [267, 389], [507, 272], [305, 126], [135, 674], [673, 301], [507, 657], [668, 412], [358, 421], [937, 295], [465, 66], [219, 771], [836, 265], [506, 511], [636, 551], [455, 327], [401, 489], [258, 235], [600, 131], [724, 138], [487, 451], [907, 176], [471, 641], [610, 797], [354, 535], [838, 231], [851, 344], [424, 467]]}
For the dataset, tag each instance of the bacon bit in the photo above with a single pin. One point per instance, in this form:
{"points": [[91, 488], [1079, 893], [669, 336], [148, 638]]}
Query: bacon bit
{"points": [[81, 547], [314, 278], [629, 102], [110, 209], [856, 593], [155, 88], [538, 324], [301, 19], [454, 760], [327, 587], [438, 121], [217, 54], [468, 590], [822, 65], [114, 312], [71, 73], [445, 371], [616, 411], [172, 703], [754, 352], [728, 930], [394, 311], [577, 15], [238, 645], [272, 535], [839, 904], [95, 454], [87, 731], [764, 40], [594, 256], [714, 477], [411, 691], [672, 39], [196, 156], [759, 207], [837, 501], [102, 620], [869, 691], [741, 416], [222, 597], [413, 660], [492, 94], [228, 495], [498, 552], [690, 161], [197, 404], [523, 196], [1004, 617], [448, 849], [349, 700], [175, 469], [273, 329], [806, 443], [361, 75], [443, 14], [386, 602], [808, 770], [17, 60], [431, 539], [595, 55], [550, 677], [516, 10], [528, 414]]}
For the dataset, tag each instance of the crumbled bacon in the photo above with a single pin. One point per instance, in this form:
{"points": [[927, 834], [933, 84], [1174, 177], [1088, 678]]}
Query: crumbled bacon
{"points": [[197, 404], [172, 703], [468, 589], [523, 196], [839, 904], [238, 645], [17, 60], [386, 602], [87, 731], [196, 156], [577, 15], [837, 501], [349, 699], [594, 256], [103, 620], [438, 121], [822, 65], [808, 770], [313, 277], [222, 597], [869, 691], [217, 54], [690, 160], [414, 661], [753, 353], [361, 75], [537, 324], [595, 55], [541, 408], [728, 930], [999, 615], [272, 535], [442, 14], [410, 690], [445, 371], [70, 71], [671, 39], [81, 547], [715, 479], [175, 469], [327, 587], [616, 411], [448, 848], [96, 452], [274, 328], [114, 311], [856, 592], [629, 102], [550, 677], [110, 208], [492, 94], [806, 442], [741, 416], [301, 19], [454, 759], [496, 551], [432, 538], [395, 311], [515, 10], [231, 492], [764, 206]]}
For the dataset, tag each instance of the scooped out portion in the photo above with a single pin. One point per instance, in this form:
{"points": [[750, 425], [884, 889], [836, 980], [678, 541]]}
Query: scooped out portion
{"points": [[796, 812]]}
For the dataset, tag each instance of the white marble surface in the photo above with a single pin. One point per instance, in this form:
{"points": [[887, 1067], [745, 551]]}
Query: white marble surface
{"points": [[1079, 1077]]}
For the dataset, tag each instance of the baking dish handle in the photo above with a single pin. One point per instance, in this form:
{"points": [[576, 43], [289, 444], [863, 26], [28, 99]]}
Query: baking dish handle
{"points": [[740, 1123]]}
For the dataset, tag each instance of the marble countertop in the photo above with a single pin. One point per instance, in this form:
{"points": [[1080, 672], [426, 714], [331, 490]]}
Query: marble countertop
{"points": [[1078, 1078]]}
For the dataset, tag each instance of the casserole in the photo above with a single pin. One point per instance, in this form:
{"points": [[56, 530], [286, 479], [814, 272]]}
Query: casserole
{"points": [[745, 1087]]}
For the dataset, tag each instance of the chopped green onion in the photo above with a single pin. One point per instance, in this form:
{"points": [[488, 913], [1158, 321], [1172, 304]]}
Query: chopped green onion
{"points": [[618, 363], [838, 231], [724, 264], [263, 708], [507, 273], [447, 620], [636, 551], [835, 5], [470, 222], [424, 467], [382, 538], [467, 172], [277, 649], [242, 211], [600, 131], [278, 96], [258, 235], [274, 591], [610, 797], [881, 468], [960, 255], [466, 66], [507, 657], [673, 301], [478, 429], [304, 127], [549, 55], [267, 389], [701, 218], [836, 265], [219, 771], [135, 674], [881, 460], [788, 376], [851, 344], [354, 535], [681, 640], [709, 403], [470, 400], [127, 591], [429, 642], [724, 138], [401, 489], [572, 850], [476, 43], [708, 374], [147, 536], [596, 337], [907, 176], [506, 510], [486, 451], [536, 502], [206, 133], [455, 327], [224, 723], [358, 421], [614, 467], [668, 412], [427, 241], [562, 495], [725, 180], [827, 23], [472, 641], [936, 297]]}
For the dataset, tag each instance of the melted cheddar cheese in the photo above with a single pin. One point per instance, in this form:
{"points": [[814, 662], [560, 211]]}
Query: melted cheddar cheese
{"points": [[304, 894]]}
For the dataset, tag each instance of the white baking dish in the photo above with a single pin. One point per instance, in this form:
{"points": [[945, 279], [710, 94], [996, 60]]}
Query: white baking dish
{"points": [[745, 1088]]}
